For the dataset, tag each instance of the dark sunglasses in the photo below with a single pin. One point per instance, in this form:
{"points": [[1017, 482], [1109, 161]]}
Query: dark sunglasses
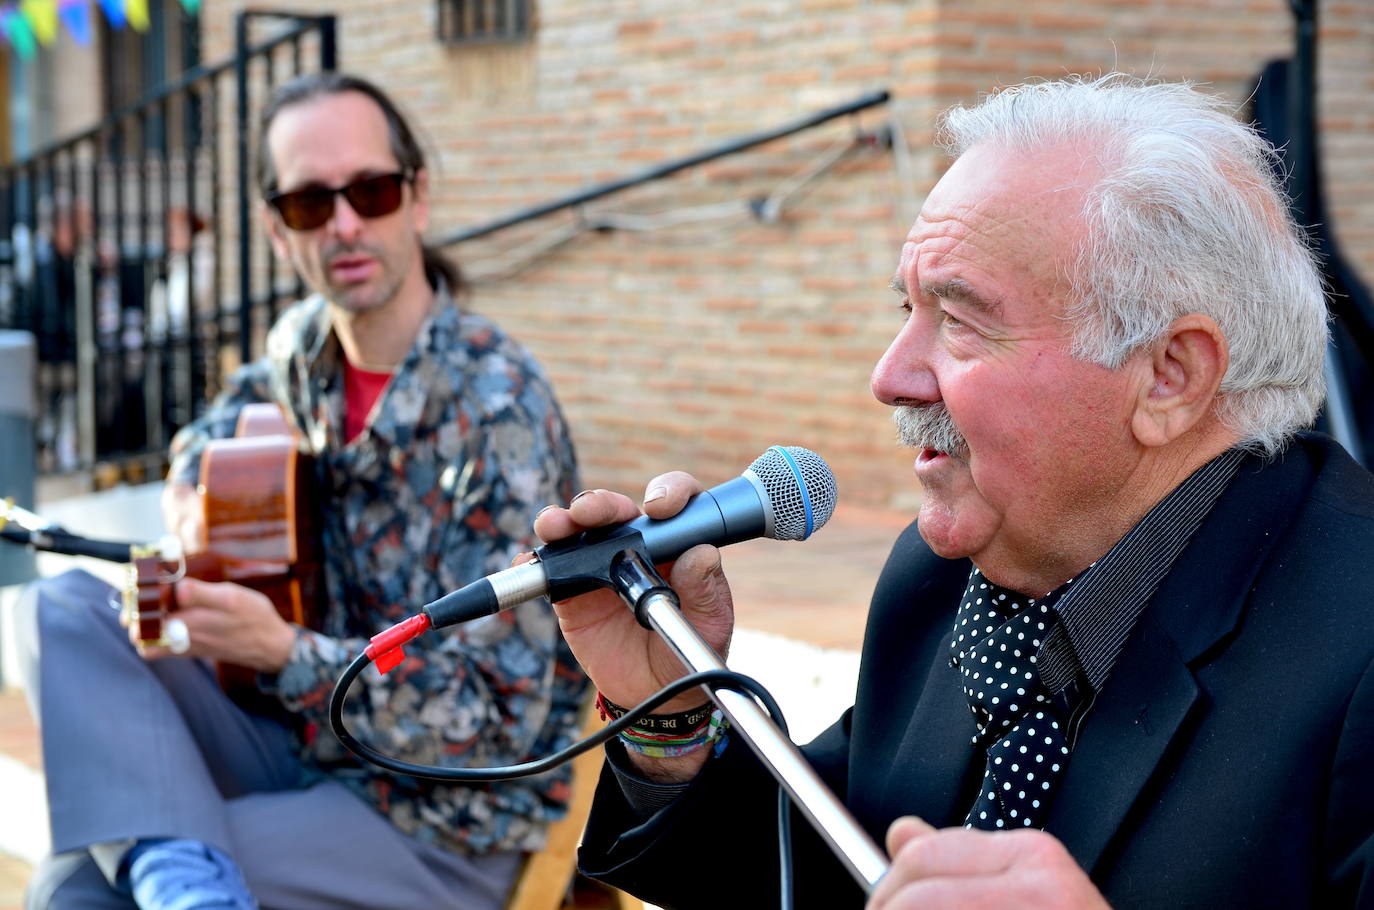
{"points": [[370, 197]]}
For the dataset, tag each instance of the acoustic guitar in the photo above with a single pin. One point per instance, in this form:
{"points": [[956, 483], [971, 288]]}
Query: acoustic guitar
{"points": [[261, 530]]}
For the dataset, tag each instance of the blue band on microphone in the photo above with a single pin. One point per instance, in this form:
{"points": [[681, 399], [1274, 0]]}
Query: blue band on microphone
{"points": [[801, 485]]}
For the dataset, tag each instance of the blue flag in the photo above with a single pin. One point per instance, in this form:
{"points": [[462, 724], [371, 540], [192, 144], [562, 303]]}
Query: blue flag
{"points": [[76, 15], [114, 11]]}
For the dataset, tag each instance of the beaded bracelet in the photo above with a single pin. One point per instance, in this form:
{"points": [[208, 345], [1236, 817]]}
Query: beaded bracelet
{"points": [[667, 735]]}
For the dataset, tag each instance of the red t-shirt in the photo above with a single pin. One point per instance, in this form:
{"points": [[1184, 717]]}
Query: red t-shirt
{"points": [[362, 388]]}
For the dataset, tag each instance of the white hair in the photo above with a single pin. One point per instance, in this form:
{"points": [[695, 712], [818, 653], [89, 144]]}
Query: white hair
{"points": [[1189, 217]]}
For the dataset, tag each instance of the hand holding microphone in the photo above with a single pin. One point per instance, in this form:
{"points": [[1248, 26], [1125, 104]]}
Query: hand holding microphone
{"points": [[785, 494], [626, 661]]}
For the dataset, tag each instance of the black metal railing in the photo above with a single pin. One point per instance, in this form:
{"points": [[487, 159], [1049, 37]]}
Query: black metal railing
{"points": [[129, 255], [581, 197]]}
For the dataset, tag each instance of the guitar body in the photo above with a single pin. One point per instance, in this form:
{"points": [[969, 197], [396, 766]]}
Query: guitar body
{"points": [[261, 523]]}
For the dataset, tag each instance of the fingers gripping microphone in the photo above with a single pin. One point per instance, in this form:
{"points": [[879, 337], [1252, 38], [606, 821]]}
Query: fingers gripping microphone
{"points": [[787, 493]]}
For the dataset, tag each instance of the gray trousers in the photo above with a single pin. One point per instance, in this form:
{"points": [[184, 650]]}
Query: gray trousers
{"points": [[135, 749]]}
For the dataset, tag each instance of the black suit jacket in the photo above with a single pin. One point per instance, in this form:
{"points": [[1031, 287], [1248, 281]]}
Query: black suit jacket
{"points": [[1227, 762]]}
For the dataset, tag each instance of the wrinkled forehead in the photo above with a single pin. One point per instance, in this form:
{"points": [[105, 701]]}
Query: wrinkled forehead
{"points": [[996, 211]]}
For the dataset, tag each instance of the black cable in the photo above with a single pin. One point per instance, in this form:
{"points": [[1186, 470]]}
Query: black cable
{"points": [[784, 850], [723, 679], [717, 679]]}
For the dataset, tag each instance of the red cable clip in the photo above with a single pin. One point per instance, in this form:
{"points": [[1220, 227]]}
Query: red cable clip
{"points": [[385, 650]]}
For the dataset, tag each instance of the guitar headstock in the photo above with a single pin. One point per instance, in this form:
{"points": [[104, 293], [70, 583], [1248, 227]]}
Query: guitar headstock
{"points": [[148, 595]]}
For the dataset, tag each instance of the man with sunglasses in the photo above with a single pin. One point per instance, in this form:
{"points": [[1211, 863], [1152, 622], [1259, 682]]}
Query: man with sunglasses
{"points": [[436, 439]]}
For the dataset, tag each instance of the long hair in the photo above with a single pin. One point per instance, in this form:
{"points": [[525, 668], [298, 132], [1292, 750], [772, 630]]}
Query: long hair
{"points": [[404, 148], [1189, 217]]}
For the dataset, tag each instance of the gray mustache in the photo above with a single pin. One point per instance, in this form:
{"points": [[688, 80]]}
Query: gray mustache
{"points": [[929, 427]]}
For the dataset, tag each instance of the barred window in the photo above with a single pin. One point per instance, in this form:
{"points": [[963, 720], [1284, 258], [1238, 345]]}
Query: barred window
{"points": [[484, 21]]}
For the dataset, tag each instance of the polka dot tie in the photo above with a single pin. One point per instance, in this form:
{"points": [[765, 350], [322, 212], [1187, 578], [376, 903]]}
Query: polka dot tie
{"points": [[996, 635]]}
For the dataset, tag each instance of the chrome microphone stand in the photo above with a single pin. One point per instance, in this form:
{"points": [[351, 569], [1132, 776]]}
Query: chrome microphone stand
{"points": [[656, 607]]}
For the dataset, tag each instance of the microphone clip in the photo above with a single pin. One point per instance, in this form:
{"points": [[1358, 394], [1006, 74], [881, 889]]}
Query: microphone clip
{"points": [[637, 582], [615, 558]]}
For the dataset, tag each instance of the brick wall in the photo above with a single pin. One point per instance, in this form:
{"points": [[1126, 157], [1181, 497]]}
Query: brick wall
{"points": [[698, 345]]}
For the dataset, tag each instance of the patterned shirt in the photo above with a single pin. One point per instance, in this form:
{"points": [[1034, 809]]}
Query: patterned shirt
{"points": [[465, 446]]}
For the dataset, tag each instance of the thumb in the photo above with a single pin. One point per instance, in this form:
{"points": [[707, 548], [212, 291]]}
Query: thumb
{"points": [[903, 831], [192, 592], [700, 571], [699, 575], [699, 579]]}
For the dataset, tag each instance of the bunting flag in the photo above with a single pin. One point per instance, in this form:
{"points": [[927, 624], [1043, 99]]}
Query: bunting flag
{"points": [[114, 11], [42, 18], [20, 35], [76, 16], [136, 11], [29, 23]]}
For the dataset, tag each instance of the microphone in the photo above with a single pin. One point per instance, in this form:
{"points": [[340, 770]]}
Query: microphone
{"points": [[19, 525], [786, 494]]}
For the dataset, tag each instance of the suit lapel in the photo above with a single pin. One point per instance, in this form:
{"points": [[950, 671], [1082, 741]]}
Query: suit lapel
{"points": [[935, 752], [1144, 703], [1127, 731]]}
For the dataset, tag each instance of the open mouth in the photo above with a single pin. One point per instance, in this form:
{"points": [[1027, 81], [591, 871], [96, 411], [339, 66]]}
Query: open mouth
{"points": [[928, 456]]}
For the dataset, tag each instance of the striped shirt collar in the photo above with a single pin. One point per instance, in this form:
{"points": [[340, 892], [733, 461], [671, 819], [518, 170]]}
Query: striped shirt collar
{"points": [[1098, 612]]}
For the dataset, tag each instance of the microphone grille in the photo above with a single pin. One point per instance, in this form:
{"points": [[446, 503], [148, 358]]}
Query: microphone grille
{"points": [[800, 489]]}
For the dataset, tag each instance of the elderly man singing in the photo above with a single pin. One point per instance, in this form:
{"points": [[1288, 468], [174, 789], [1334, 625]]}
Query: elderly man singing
{"points": [[1122, 658]]}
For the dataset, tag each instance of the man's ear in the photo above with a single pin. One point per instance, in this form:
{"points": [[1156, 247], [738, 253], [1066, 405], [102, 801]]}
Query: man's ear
{"points": [[1186, 366], [276, 231]]}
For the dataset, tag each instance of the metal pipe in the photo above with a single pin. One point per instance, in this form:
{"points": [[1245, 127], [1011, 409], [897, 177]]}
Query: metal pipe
{"points": [[827, 814], [245, 226], [87, 355], [114, 391], [191, 136], [660, 171], [269, 63], [217, 232], [149, 363], [87, 311], [329, 42]]}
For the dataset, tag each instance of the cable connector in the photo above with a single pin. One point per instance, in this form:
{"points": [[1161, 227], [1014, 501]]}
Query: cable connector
{"points": [[385, 649]]}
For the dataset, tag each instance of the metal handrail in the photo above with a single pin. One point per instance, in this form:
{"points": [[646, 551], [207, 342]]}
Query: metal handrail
{"points": [[657, 172]]}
